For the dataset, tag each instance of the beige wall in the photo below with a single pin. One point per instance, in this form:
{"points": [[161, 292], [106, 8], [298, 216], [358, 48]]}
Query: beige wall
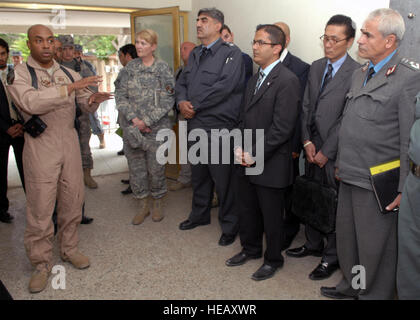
{"points": [[306, 18], [183, 4]]}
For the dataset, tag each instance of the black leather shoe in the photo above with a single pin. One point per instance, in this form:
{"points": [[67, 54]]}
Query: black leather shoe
{"points": [[303, 252], [86, 220], [6, 217], [226, 239], [264, 272], [323, 271], [127, 191], [187, 224], [123, 181], [331, 292], [120, 153], [240, 259]]}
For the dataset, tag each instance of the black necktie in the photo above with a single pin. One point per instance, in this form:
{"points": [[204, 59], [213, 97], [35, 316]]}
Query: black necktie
{"points": [[204, 52], [327, 77], [371, 72], [260, 79]]}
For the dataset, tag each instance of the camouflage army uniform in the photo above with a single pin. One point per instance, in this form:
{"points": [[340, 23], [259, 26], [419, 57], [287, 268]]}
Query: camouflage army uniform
{"points": [[117, 83], [84, 131], [148, 94]]}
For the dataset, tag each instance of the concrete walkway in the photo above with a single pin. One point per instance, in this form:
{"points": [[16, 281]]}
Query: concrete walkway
{"points": [[150, 261]]}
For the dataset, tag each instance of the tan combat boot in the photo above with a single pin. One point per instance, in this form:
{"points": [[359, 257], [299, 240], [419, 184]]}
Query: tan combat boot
{"points": [[157, 214], [178, 186], [87, 178], [38, 280], [78, 260], [144, 211], [101, 141]]}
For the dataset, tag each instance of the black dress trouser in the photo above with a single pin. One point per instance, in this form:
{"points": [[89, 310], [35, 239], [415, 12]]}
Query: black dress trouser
{"points": [[207, 177], [260, 211], [5, 143]]}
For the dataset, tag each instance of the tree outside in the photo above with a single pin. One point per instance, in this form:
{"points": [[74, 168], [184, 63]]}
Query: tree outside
{"points": [[17, 42], [101, 46]]}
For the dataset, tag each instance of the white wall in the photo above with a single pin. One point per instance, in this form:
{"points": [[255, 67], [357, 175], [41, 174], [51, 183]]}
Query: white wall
{"points": [[306, 18], [183, 4]]}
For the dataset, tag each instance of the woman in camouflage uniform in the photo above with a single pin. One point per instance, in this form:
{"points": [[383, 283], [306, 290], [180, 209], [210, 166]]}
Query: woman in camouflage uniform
{"points": [[144, 97]]}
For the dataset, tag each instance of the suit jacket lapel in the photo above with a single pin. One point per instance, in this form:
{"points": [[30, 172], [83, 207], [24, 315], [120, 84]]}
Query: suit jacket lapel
{"points": [[338, 77], [265, 85], [250, 92], [320, 74]]}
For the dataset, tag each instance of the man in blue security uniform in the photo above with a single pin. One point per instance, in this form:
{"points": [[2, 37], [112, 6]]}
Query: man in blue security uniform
{"points": [[209, 94]]}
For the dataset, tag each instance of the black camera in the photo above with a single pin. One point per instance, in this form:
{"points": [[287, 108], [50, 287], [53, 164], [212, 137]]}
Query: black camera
{"points": [[35, 126]]}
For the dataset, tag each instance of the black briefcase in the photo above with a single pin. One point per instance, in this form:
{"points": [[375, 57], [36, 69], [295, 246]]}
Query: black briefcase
{"points": [[315, 203]]}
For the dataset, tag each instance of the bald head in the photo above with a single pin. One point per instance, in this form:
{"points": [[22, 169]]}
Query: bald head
{"points": [[41, 43], [285, 28], [37, 28], [186, 48]]}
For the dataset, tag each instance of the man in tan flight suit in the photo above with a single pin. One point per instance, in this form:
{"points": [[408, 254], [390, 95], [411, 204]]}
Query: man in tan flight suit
{"points": [[52, 161]]}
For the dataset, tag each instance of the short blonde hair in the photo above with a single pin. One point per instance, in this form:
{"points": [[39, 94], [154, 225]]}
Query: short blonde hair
{"points": [[148, 35]]}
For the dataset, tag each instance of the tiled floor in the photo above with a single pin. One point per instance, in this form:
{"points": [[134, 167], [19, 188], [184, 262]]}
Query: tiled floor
{"points": [[150, 261]]}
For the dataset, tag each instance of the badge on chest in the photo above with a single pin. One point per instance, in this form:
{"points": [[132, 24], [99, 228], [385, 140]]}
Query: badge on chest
{"points": [[46, 82]]}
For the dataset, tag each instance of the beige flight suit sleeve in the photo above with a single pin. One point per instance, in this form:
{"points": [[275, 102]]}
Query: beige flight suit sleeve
{"points": [[83, 95], [33, 101]]}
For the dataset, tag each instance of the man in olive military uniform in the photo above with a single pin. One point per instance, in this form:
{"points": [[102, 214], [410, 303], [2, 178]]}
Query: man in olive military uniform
{"points": [[375, 129], [69, 61], [95, 123], [208, 94], [17, 58], [408, 269]]}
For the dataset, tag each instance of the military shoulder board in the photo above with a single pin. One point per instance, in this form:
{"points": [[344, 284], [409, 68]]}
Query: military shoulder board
{"points": [[229, 44], [410, 64], [365, 66]]}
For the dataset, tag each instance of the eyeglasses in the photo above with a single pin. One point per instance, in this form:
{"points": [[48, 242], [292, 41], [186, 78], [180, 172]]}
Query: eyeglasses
{"points": [[260, 43], [331, 40]]}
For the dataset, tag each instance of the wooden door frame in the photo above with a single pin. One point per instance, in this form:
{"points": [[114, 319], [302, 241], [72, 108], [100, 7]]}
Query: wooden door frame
{"points": [[176, 14]]}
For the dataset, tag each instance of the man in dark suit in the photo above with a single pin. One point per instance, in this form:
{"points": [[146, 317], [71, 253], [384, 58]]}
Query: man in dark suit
{"points": [[325, 95], [301, 70], [11, 133], [271, 103]]}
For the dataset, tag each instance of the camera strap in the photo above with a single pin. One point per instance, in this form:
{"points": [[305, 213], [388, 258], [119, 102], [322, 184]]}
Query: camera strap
{"points": [[33, 76], [68, 74]]}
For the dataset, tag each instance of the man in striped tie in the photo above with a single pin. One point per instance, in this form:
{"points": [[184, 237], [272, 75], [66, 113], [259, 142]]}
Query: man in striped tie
{"points": [[325, 95]]}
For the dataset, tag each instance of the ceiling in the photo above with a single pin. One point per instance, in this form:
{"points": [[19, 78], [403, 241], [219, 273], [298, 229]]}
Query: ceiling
{"points": [[75, 22]]}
